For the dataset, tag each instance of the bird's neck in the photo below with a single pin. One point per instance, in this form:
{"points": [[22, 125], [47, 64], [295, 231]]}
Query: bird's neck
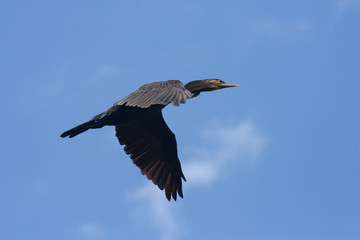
{"points": [[196, 87]]}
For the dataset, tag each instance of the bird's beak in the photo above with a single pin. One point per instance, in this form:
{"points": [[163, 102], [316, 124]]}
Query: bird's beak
{"points": [[226, 85]]}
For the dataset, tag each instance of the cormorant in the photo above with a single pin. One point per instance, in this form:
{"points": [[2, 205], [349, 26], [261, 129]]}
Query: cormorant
{"points": [[140, 126]]}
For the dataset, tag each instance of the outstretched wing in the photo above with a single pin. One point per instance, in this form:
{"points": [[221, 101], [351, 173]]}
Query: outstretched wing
{"points": [[157, 93], [152, 147]]}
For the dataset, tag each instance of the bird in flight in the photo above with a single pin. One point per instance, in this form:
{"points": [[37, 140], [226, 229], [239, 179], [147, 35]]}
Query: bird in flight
{"points": [[140, 126]]}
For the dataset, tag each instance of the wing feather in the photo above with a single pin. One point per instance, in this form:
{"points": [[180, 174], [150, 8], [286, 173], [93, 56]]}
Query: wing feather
{"points": [[152, 148], [157, 93]]}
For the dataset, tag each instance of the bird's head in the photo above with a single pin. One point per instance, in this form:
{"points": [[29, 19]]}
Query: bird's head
{"points": [[207, 85]]}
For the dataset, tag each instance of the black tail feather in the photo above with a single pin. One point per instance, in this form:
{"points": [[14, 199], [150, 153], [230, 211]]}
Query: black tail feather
{"points": [[78, 129], [109, 117]]}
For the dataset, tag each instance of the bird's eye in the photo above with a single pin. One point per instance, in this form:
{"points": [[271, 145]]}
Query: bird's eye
{"points": [[221, 81]]}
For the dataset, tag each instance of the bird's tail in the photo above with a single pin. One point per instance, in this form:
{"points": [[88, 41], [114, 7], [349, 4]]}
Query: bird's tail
{"points": [[93, 123]]}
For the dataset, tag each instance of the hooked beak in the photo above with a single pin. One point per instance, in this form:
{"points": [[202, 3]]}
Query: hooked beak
{"points": [[226, 85]]}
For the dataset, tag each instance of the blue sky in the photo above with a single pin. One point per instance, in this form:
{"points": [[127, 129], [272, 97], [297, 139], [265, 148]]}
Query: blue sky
{"points": [[276, 158]]}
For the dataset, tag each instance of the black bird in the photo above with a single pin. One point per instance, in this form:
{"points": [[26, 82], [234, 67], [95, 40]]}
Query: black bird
{"points": [[140, 126]]}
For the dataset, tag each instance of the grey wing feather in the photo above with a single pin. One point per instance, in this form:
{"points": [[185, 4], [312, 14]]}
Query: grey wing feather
{"points": [[172, 91]]}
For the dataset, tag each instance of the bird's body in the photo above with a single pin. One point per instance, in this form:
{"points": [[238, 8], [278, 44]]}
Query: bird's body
{"points": [[141, 128]]}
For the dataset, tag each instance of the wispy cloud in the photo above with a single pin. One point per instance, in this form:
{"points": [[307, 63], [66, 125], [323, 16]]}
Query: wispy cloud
{"points": [[201, 172], [106, 70], [154, 211], [103, 73], [343, 5], [346, 3], [225, 147], [92, 230], [274, 28]]}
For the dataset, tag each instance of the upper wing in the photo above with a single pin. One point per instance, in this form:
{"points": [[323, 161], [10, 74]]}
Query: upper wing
{"points": [[153, 149], [157, 93]]}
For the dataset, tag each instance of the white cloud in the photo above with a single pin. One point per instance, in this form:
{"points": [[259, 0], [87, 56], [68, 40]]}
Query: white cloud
{"points": [[92, 230], [225, 147], [200, 172], [153, 210]]}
